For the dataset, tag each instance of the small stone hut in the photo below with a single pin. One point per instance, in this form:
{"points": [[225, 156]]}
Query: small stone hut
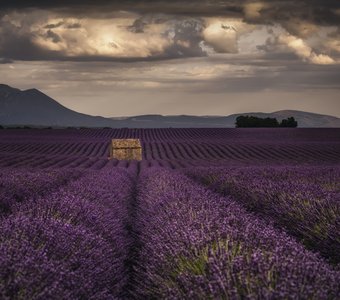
{"points": [[126, 149]]}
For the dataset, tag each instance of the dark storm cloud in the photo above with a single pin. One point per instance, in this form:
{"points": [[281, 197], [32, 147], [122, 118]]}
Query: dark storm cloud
{"points": [[183, 17], [60, 24], [140, 24], [23, 49], [317, 11], [186, 34], [5, 61], [145, 5], [73, 26], [51, 26], [184, 28], [53, 36], [16, 43]]}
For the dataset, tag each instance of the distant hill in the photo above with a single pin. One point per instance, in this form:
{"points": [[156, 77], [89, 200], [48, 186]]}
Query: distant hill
{"points": [[34, 108], [304, 119]]}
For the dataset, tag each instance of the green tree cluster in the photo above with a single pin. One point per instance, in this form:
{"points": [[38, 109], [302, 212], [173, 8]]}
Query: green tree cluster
{"points": [[251, 121]]}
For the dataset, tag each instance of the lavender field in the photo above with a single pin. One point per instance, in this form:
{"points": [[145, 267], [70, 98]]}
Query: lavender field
{"points": [[207, 214]]}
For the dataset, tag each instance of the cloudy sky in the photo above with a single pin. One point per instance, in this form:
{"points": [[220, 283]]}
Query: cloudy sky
{"points": [[208, 57]]}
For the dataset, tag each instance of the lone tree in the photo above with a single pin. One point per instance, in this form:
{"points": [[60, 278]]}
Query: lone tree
{"points": [[251, 121]]}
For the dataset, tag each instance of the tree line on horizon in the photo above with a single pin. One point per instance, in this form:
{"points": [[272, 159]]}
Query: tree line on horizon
{"points": [[252, 121], [241, 121]]}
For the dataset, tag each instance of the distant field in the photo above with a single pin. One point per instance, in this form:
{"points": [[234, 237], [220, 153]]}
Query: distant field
{"points": [[174, 148], [207, 214]]}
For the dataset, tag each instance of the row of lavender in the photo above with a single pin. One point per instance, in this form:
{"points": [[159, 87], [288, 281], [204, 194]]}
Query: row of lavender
{"points": [[18, 186], [303, 200], [198, 245], [182, 157], [88, 239], [89, 148], [165, 134], [62, 237]]}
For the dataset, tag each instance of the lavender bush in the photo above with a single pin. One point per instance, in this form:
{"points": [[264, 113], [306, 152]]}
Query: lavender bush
{"points": [[17, 186], [303, 200], [197, 245], [49, 259], [79, 232]]}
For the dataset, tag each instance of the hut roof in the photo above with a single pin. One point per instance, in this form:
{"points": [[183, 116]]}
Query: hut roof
{"points": [[126, 143]]}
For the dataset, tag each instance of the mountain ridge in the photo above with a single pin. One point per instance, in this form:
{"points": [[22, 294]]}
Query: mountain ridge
{"points": [[32, 107]]}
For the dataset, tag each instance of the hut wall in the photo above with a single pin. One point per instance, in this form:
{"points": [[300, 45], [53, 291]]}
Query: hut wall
{"points": [[126, 149], [127, 154]]}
